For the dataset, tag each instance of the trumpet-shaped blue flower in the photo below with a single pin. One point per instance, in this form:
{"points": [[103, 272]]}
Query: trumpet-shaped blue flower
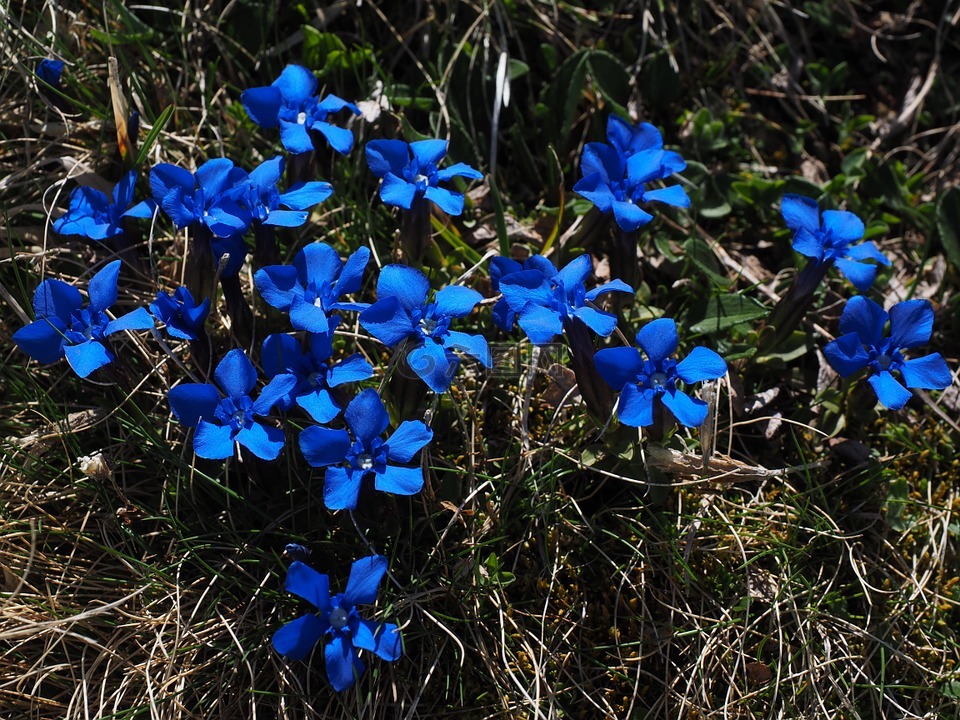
{"points": [[410, 175], [862, 345], [50, 71], [269, 206], [315, 374], [543, 298], [93, 215], [180, 313], [348, 460], [500, 267], [291, 102], [402, 312], [827, 239], [65, 328], [338, 618], [223, 420], [642, 383], [311, 288], [615, 174]]}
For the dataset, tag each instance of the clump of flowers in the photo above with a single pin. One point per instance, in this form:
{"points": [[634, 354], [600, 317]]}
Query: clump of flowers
{"points": [[337, 617], [863, 346], [92, 214]]}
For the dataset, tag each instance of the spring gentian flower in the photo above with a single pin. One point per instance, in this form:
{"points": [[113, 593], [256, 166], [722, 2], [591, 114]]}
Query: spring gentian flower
{"points": [[315, 374], [349, 461], [338, 618], [93, 215], [410, 174], [50, 71], [223, 421], [180, 313], [311, 288], [827, 239], [641, 382], [402, 311], [862, 345], [65, 328], [292, 103], [269, 206], [544, 298], [500, 267], [614, 175]]}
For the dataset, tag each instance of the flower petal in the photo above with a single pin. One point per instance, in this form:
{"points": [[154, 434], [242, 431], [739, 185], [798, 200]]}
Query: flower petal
{"points": [[138, 319], [407, 440], [456, 301], [352, 369], [340, 139], [701, 364], [473, 345], [343, 665], [800, 212], [407, 284], [215, 176], [42, 339], [596, 188], [459, 170], [56, 299], [166, 179], [273, 392], [317, 263], [264, 441], [319, 405], [235, 374], [396, 191], [687, 410], [87, 357], [673, 195], [433, 364], [277, 285], [366, 415], [295, 137], [297, 84], [305, 582], [341, 488], [324, 446], [865, 318], [387, 321], [365, 576], [298, 637], [911, 323], [400, 480], [602, 323], [387, 156], [213, 442], [382, 639], [618, 366], [103, 287], [630, 216], [191, 402], [929, 372], [447, 200], [843, 225], [263, 105], [351, 277], [867, 251], [526, 287], [304, 196], [859, 274], [890, 392], [280, 353], [428, 152], [846, 354], [636, 406], [658, 339], [307, 316], [541, 324], [616, 285]]}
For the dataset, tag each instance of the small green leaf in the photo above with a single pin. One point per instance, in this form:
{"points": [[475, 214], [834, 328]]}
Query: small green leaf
{"points": [[725, 311], [153, 134], [948, 224]]}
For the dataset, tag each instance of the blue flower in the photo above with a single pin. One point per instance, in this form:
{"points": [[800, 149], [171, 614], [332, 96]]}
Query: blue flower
{"points": [[65, 328], [410, 174], [180, 313], [292, 103], [829, 242], [50, 71], [641, 382], [223, 421], [366, 454], [269, 206], [500, 267], [311, 288], [862, 345], [93, 216], [402, 312], [338, 618], [544, 298], [614, 175], [315, 374]]}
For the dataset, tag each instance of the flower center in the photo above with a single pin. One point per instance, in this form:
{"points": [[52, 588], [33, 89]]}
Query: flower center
{"points": [[421, 178], [301, 117], [238, 418], [365, 461], [658, 380], [338, 618], [884, 361], [428, 325]]}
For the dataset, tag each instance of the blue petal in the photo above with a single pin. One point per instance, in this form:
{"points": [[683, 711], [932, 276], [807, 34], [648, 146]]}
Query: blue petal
{"points": [[166, 179], [174, 206], [277, 285], [604, 160], [658, 339], [843, 225], [343, 665], [808, 244], [387, 321], [192, 401], [304, 196], [297, 84], [867, 251], [267, 174], [340, 139], [473, 345], [541, 324], [800, 212], [138, 319], [87, 357], [524, 288], [322, 446], [911, 323], [865, 318], [618, 366], [501, 266], [447, 200], [56, 299], [596, 188], [846, 354], [428, 152], [503, 316], [929, 372], [701, 364], [321, 343], [103, 287], [407, 440], [860, 275], [295, 137], [630, 216], [227, 219], [400, 480], [674, 195], [351, 277], [341, 488], [645, 166], [889, 390], [456, 301], [317, 263], [305, 582], [433, 364], [234, 249], [235, 374], [636, 406], [366, 416], [612, 286], [216, 176], [687, 410], [459, 170], [264, 441], [319, 405], [298, 637], [286, 218], [307, 316], [273, 392], [42, 340], [124, 189], [408, 285], [365, 576], [387, 156], [352, 369], [213, 442], [384, 640], [602, 323], [263, 105], [142, 210], [331, 104], [397, 192], [280, 353], [575, 272]]}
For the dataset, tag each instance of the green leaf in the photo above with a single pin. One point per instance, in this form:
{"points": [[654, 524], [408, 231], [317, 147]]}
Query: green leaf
{"points": [[948, 224], [155, 131], [725, 311], [699, 253]]}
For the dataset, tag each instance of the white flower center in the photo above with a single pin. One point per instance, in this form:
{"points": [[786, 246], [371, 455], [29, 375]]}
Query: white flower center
{"points": [[338, 618], [421, 178], [658, 379], [301, 118], [428, 325], [365, 461]]}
